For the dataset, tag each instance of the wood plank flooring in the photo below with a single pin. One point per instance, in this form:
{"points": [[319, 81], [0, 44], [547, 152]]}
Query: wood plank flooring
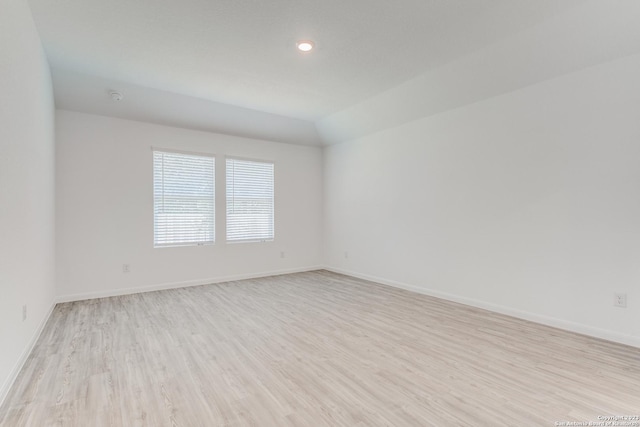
{"points": [[312, 349]]}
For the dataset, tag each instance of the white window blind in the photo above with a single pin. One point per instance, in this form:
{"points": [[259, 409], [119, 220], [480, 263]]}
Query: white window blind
{"points": [[249, 200], [183, 199]]}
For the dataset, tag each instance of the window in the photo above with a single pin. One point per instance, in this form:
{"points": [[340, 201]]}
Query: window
{"points": [[249, 201], [183, 199]]}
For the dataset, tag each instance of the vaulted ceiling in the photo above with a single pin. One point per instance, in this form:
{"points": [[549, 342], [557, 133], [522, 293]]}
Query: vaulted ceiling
{"points": [[231, 66]]}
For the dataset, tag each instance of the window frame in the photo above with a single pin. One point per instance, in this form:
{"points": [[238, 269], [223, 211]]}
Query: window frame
{"points": [[185, 243], [273, 200]]}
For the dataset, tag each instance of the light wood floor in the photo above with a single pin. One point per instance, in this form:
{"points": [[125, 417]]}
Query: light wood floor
{"points": [[312, 349]]}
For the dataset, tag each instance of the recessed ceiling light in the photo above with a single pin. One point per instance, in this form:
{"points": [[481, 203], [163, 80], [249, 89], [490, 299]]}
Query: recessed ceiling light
{"points": [[305, 45]]}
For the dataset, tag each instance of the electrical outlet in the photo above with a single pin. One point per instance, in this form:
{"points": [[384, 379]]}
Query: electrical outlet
{"points": [[620, 300], [282, 254], [24, 313], [126, 268]]}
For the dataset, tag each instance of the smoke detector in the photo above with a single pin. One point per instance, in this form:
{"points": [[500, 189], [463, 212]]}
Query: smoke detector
{"points": [[115, 95]]}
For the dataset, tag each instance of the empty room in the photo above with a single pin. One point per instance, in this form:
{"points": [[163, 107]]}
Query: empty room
{"points": [[319, 213]]}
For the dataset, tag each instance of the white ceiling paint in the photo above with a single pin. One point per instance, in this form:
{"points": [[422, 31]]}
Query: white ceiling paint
{"points": [[242, 52], [597, 32], [90, 94], [232, 67]]}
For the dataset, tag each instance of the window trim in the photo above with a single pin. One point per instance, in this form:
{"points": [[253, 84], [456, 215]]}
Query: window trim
{"points": [[177, 151]]}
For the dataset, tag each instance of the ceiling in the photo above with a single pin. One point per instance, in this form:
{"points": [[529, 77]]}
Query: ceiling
{"points": [[231, 65]]}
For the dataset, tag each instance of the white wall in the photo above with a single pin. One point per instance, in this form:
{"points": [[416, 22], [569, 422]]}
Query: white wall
{"points": [[26, 188], [583, 35], [526, 203], [105, 208]]}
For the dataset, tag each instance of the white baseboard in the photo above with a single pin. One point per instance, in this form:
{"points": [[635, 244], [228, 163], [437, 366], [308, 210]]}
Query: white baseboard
{"points": [[176, 285], [605, 334], [4, 390], [533, 317]]}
